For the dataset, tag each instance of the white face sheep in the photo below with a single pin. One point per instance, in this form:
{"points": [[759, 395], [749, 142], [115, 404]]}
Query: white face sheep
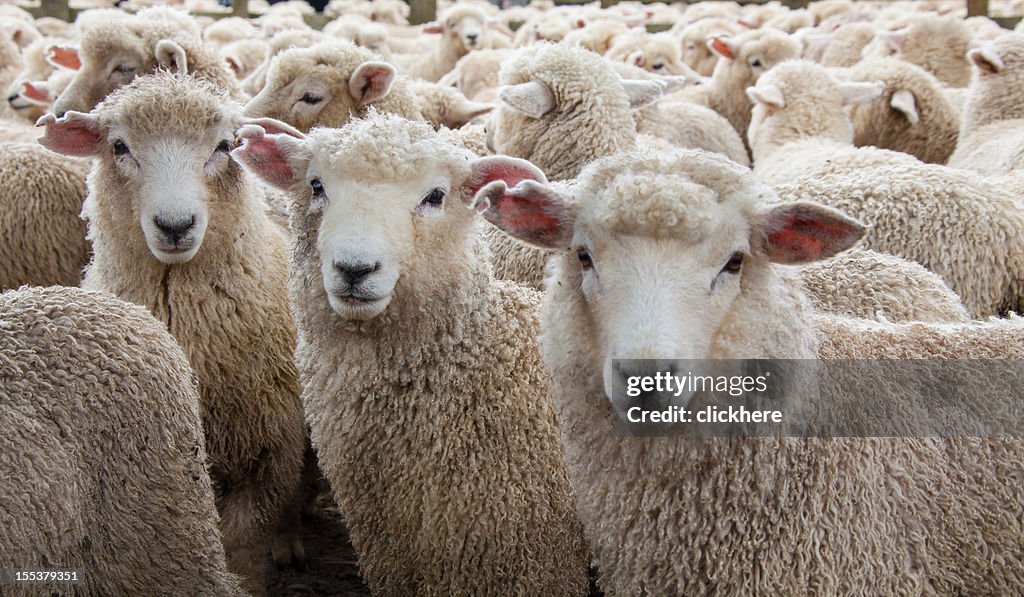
{"points": [[392, 289]]}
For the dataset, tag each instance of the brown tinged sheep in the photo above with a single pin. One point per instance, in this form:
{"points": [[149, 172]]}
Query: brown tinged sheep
{"points": [[177, 227], [101, 451], [686, 252], [422, 383]]}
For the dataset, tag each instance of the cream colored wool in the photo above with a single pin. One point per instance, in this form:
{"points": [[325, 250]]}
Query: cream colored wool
{"points": [[812, 135], [693, 126], [791, 21], [963, 227], [695, 51], [870, 285], [827, 9], [53, 27], [34, 68], [102, 450], [446, 106], [552, 25], [992, 126], [227, 307], [282, 41], [476, 74], [228, 30], [10, 66], [658, 53], [598, 36], [846, 45], [42, 235], [432, 420], [670, 516], [436, 63], [244, 56], [131, 41], [325, 70], [927, 128], [939, 45], [725, 92]]}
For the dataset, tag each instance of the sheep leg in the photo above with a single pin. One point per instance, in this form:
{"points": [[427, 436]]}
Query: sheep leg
{"points": [[286, 547]]}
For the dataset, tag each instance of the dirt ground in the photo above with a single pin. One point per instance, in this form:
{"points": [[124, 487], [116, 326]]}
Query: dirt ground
{"points": [[331, 562]]}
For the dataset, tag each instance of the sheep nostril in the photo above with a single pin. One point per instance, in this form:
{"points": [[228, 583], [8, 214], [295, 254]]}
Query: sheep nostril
{"points": [[174, 229], [12, 98], [354, 273]]}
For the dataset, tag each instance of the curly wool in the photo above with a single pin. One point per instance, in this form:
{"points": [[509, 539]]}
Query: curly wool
{"points": [[932, 138], [964, 228], [433, 420], [748, 516], [845, 46], [42, 235], [102, 445], [812, 135], [695, 51], [992, 128], [939, 45], [333, 63], [227, 307]]}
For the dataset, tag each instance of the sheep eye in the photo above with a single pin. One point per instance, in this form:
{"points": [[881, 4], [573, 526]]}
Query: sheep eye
{"points": [[585, 261], [434, 199], [690, 46], [317, 186], [659, 66], [734, 264], [124, 69], [224, 146], [311, 98], [756, 63], [120, 148]]}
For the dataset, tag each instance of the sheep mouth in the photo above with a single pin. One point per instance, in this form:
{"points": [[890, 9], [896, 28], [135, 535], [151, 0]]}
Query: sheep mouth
{"points": [[22, 105], [356, 300]]}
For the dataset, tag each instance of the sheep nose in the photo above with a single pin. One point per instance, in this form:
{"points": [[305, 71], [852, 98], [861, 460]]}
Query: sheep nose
{"points": [[60, 114], [11, 99], [174, 230], [354, 273], [471, 36]]}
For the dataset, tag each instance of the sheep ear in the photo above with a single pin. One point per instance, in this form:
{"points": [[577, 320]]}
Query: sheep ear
{"points": [[75, 134], [895, 39], [532, 98], [768, 95], [723, 45], [234, 63], [371, 82], [903, 101], [643, 92], [636, 58], [466, 110], [274, 127], [63, 57], [855, 93], [171, 55], [530, 210], [278, 159], [986, 59], [37, 92], [433, 27], [20, 32], [802, 232]]}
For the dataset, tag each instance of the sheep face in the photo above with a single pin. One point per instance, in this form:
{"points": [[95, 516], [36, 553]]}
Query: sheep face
{"points": [[658, 250], [166, 156], [374, 201], [745, 57], [466, 30]]}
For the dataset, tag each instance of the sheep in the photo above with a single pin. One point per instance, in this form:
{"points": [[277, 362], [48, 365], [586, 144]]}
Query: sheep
{"points": [[598, 36], [361, 32], [912, 115], [695, 51], [177, 227], [102, 444], [800, 128], [791, 21], [657, 53], [937, 44], [552, 26], [463, 28], [330, 83], [389, 271], [244, 56], [227, 31], [742, 59], [280, 42], [963, 227], [34, 68], [846, 45], [735, 515], [116, 49], [476, 74], [42, 237], [866, 284], [446, 106], [991, 140]]}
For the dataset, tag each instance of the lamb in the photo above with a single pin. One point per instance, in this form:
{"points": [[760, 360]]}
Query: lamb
{"points": [[963, 227], [34, 68], [284, 40], [846, 45], [244, 56], [991, 140], [937, 44], [598, 36], [42, 236], [330, 83], [912, 115], [657, 53], [446, 106], [745, 515], [116, 49], [177, 227], [695, 51], [102, 444], [387, 281], [476, 74], [463, 28], [743, 59], [800, 128]]}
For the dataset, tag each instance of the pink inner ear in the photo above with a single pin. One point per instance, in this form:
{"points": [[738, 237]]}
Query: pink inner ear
{"points": [[70, 137], [800, 239], [722, 48], [377, 79], [266, 159], [31, 92], [65, 57], [512, 172], [528, 220], [795, 245]]}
